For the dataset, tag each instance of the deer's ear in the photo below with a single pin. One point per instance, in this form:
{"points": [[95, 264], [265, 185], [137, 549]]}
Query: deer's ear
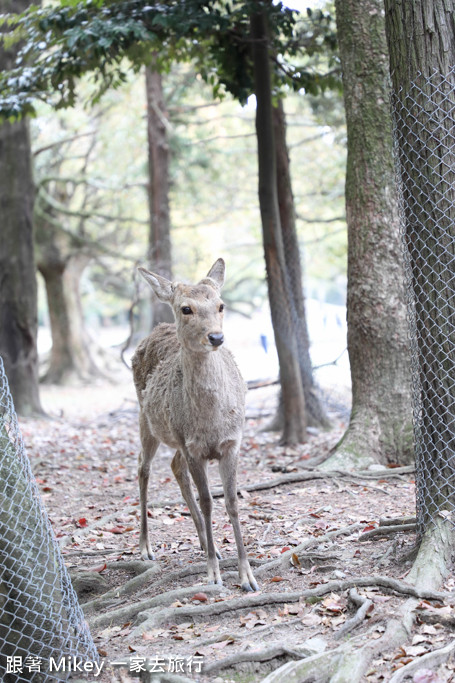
{"points": [[216, 274], [163, 288]]}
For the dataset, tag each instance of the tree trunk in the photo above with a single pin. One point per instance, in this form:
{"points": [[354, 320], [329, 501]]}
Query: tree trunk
{"points": [[381, 419], [18, 297], [316, 415], [421, 35], [294, 427], [159, 252], [62, 268]]}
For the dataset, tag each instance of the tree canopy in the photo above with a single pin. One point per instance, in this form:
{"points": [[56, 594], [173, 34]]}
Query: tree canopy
{"points": [[63, 41]]}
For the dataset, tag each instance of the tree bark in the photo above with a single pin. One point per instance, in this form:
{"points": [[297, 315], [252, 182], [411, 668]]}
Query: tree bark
{"points": [[294, 413], [316, 415], [381, 421], [18, 296], [159, 251], [62, 264], [422, 65]]}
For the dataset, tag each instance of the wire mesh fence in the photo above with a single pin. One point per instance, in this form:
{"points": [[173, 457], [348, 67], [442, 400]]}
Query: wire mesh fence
{"points": [[43, 634], [424, 113]]}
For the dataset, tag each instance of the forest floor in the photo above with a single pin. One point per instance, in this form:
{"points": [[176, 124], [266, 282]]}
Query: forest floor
{"points": [[310, 536]]}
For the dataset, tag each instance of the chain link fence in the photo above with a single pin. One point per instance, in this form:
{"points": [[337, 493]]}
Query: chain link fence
{"points": [[424, 115], [43, 633]]}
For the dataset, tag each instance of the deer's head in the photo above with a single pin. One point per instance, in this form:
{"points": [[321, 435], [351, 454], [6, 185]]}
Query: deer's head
{"points": [[198, 309]]}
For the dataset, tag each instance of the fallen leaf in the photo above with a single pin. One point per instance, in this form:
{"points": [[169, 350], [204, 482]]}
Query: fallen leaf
{"points": [[416, 650], [334, 603], [222, 644], [99, 569], [370, 527], [115, 530], [429, 629], [202, 597], [295, 560]]}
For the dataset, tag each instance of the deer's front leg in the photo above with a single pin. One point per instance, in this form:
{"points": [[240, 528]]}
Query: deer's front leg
{"points": [[198, 470], [180, 469], [228, 473]]}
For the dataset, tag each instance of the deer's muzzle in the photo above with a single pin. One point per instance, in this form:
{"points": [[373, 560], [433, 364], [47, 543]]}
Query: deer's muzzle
{"points": [[216, 339]]}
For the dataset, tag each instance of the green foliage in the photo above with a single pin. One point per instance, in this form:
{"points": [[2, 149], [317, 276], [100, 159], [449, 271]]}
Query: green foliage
{"points": [[63, 41]]}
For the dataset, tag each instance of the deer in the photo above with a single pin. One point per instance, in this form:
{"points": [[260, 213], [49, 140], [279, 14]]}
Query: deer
{"points": [[192, 398]]}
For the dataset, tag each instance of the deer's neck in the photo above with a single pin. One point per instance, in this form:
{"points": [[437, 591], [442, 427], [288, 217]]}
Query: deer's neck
{"points": [[202, 372]]}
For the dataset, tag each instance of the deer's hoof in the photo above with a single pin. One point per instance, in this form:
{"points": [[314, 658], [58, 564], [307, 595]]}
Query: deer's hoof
{"points": [[250, 586], [146, 554]]}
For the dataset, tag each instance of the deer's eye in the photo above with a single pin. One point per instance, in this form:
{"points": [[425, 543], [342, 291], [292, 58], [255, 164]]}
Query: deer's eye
{"points": [[186, 310], [221, 308]]}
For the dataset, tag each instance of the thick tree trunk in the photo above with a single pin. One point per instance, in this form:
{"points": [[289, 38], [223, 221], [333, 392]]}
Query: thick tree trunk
{"points": [[381, 420], [18, 298], [294, 427], [159, 252], [421, 35], [316, 415]]}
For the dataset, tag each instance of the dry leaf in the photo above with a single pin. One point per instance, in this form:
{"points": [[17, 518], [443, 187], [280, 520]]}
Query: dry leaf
{"points": [[295, 560], [202, 597]]}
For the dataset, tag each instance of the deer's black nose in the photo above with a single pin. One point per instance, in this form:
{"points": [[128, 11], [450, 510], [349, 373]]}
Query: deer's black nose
{"points": [[216, 339]]}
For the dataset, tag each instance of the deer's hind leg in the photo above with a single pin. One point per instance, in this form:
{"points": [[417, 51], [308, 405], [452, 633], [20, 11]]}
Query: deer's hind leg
{"points": [[182, 474], [149, 447]]}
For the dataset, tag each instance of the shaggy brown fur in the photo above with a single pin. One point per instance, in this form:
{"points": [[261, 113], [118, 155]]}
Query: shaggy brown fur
{"points": [[192, 398]]}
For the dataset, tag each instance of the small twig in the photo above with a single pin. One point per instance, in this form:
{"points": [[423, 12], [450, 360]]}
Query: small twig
{"points": [[259, 383]]}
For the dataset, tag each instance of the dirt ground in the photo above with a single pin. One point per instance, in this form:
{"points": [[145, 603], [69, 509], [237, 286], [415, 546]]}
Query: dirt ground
{"points": [[304, 532]]}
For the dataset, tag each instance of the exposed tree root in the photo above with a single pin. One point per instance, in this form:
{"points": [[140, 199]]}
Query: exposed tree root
{"points": [[315, 669], [127, 588], [387, 530], [130, 612], [271, 652], [347, 664], [432, 617], [152, 619], [389, 521], [247, 634], [364, 606], [136, 567], [300, 549], [309, 474], [430, 660], [148, 677]]}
